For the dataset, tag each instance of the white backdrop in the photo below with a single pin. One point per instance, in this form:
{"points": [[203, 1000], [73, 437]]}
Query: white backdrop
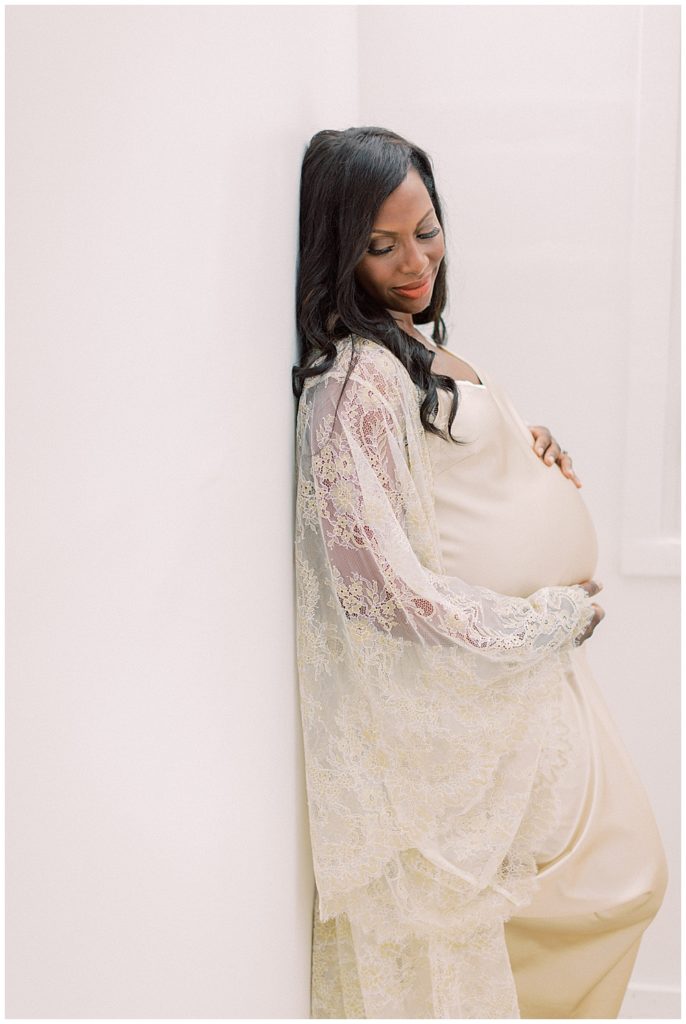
{"points": [[157, 855]]}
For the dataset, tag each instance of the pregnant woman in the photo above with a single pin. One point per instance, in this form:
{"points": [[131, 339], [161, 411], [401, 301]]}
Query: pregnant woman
{"points": [[482, 844]]}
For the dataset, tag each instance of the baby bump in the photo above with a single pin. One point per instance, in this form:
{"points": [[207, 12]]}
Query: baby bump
{"points": [[533, 530]]}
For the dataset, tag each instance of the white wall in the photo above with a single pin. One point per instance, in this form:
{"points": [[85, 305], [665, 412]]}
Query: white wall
{"points": [[157, 848], [554, 133]]}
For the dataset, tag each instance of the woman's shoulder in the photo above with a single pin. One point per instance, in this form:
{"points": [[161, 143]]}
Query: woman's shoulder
{"points": [[364, 359], [376, 366], [370, 373], [374, 358], [382, 379]]}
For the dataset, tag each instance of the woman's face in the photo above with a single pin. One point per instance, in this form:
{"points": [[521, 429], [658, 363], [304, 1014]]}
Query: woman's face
{"points": [[405, 248]]}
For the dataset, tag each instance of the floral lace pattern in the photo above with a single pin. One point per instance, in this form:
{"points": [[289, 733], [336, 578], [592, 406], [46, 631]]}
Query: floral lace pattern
{"points": [[431, 709]]}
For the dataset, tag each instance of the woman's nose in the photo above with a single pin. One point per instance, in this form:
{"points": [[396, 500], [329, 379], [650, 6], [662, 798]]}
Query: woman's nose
{"points": [[414, 261]]}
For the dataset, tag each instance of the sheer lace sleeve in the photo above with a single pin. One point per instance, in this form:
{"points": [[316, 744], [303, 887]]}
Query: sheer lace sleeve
{"points": [[429, 705], [365, 503]]}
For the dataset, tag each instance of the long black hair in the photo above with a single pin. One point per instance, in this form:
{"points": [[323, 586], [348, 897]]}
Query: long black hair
{"points": [[346, 176]]}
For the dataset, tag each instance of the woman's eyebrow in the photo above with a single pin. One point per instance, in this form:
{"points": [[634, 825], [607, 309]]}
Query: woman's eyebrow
{"points": [[380, 231]]}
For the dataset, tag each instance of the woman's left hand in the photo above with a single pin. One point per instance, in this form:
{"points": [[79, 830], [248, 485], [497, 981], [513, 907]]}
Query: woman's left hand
{"points": [[549, 450]]}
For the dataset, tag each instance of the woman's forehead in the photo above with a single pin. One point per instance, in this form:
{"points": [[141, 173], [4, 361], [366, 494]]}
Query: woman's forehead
{"points": [[410, 201]]}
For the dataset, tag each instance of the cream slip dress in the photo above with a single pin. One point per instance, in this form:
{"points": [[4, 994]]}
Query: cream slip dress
{"points": [[603, 877]]}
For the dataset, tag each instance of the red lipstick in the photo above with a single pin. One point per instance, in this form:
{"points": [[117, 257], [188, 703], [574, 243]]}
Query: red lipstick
{"points": [[415, 291]]}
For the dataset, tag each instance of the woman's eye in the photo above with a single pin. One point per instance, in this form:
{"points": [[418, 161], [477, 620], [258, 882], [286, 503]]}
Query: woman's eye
{"points": [[389, 248]]}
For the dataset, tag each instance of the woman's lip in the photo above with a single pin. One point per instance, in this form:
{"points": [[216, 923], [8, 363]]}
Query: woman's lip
{"points": [[413, 293]]}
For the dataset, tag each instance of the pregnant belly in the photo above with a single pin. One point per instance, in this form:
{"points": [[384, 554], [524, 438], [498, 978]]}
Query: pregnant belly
{"points": [[529, 531]]}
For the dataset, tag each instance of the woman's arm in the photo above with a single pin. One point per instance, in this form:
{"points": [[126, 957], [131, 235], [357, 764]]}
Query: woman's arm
{"points": [[359, 497]]}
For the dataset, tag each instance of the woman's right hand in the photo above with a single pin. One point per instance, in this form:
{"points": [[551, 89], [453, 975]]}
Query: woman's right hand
{"points": [[591, 588]]}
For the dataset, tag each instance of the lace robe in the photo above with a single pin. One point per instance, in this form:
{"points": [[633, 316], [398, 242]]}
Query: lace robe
{"points": [[431, 708]]}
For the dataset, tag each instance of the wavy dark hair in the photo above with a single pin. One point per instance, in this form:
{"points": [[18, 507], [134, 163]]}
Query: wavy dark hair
{"points": [[346, 176]]}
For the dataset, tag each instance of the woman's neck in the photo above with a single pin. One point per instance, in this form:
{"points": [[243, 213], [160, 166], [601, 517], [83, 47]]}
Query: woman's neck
{"points": [[407, 324]]}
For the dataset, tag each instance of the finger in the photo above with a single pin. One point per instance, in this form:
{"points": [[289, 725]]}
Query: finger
{"points": [[552, 454], [537, 429], [542, 438], [566, 468], [600, 614]]}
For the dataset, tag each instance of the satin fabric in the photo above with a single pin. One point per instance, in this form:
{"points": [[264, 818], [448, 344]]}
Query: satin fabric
{"points": [[603, 878]]}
